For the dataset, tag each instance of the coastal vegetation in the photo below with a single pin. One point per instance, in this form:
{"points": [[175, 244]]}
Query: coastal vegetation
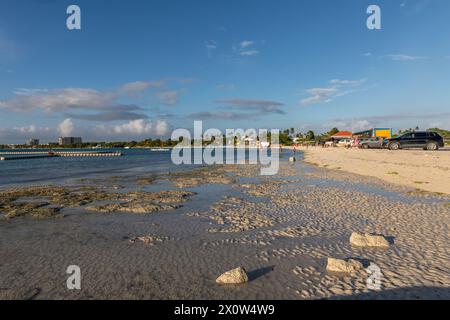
{"points": [[286, 137]]}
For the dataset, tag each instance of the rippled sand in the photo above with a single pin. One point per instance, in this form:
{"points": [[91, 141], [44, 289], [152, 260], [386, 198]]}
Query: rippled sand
{"points": [[280, 229]]}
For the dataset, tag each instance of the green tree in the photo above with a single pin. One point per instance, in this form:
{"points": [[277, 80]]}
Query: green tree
{"points": [[441, 132], [333, 131], [310, 135], [285, 139], [131, 144]]}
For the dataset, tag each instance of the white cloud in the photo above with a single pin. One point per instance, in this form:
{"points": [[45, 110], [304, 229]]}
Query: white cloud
{"points": [[247, 109], [349, 124], [133, 88], [134, 128], [131, 130], [58, 100], [30, 129], [319, 95], [248, 103], [162, 128], [249, 53], [65, 128], [360, 125], [348, 82], [26, 92], [169, 97], [246, 48], [87, 99], [403, 57], [220, 115], [399, 120], [22, 134], [436, 124], [246, 43], [338, 88]]}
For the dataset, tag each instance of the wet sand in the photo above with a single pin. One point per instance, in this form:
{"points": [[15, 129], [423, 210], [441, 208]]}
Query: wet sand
{"points": [[201, 223]]}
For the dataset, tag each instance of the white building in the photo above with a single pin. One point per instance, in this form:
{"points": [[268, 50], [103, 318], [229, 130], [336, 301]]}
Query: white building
{"points": [[33, 142], [69, 140]]}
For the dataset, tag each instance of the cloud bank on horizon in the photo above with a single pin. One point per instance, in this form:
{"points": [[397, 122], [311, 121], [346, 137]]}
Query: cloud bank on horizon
{"points": [[282, 70]]}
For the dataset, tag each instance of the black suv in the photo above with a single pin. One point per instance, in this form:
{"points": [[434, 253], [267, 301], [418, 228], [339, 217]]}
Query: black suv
{"points": [[427, 140]]}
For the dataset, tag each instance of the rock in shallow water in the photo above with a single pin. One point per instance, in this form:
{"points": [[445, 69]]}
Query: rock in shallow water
{"points": [[368, 240], [342, 266], [132, 207], [148, 239], [235, 276]]}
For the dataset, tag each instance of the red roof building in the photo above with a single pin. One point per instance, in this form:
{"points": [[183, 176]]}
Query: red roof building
{"points": [[342, 135]]}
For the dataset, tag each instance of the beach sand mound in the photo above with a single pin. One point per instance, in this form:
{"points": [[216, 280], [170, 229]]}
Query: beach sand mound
{"points": [[235, 276], [342, 266], [368, 240]]}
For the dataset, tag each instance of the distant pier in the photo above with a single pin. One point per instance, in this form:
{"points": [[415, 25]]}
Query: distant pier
{"points": [[19, 155], [26, 157]]}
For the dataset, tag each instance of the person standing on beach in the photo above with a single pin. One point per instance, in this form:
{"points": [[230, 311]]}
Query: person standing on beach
{"points": [[356, 142]]}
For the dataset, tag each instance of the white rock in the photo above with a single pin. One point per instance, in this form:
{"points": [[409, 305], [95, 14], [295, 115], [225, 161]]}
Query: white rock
{"points": [[368, 240], [342, 266], [292, 159], [235, 276]]}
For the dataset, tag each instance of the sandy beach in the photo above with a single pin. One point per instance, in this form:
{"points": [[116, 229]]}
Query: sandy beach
{"points": [[424, 170], [169, 236]]}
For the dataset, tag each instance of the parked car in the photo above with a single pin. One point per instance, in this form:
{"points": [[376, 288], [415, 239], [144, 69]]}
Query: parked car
{"points": [[426, 140], [344, 143], [372, 143]]}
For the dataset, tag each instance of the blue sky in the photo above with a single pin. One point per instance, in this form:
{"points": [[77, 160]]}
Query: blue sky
{"points": [[139, 69]]}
